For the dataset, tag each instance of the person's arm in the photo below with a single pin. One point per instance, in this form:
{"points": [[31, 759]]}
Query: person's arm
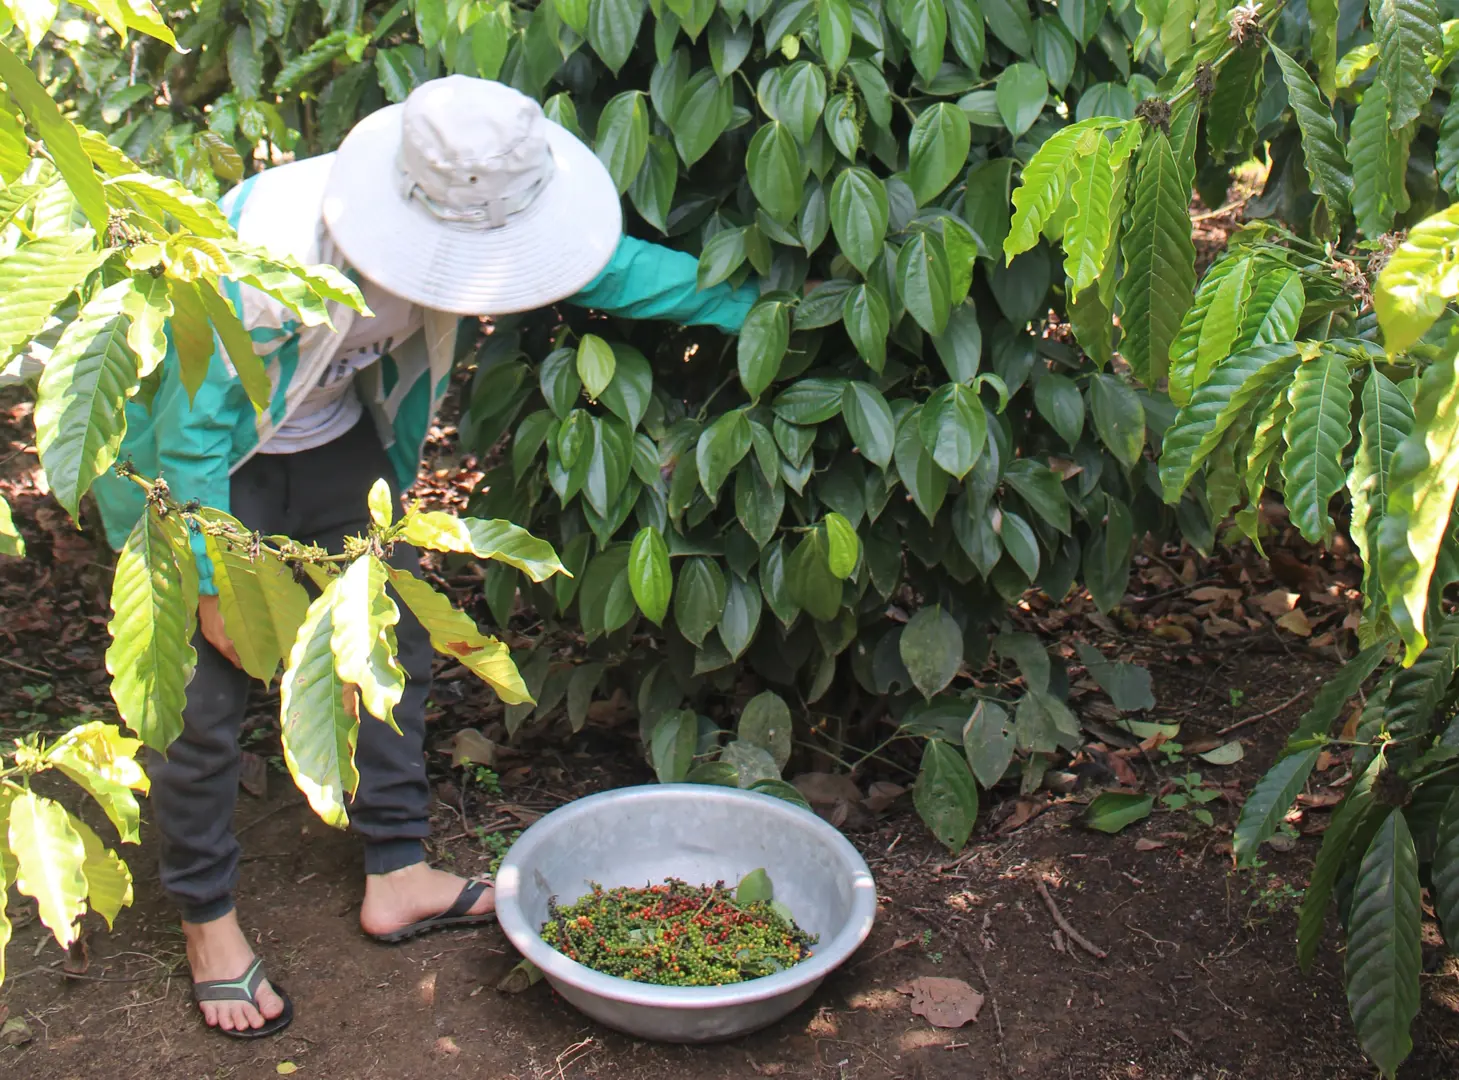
{"points": [[646, 281]]}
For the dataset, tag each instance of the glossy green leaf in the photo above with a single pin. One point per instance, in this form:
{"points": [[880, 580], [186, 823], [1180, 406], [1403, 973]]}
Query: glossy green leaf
{"points": [[50, 858], [706, 106], [1210, 328], [859, 215], [777, 172], [1159, 279], [83, 389], [596, 364], [809, 580], [262, 605], [843, 548], [649, 575], [672, 746], [1021, 543], [1446, 869], [759, 503], [923, 478], [11, 542], [613, 27], [622, 142], [1322, 149], [924, 27], [721, 447], [954, 428], [1233, 386], [1423, 480], [1345, 824], [924, 281], [834, 24], [1119, 417], [150, 658], [1384, 949], [1059, 402], [945, 795], [869, 420], [454, 634], [740, 620], [1269, 801], [1387, 419], [1022, 92], [1376, 151], [1046, 179], [989, 742], [868, 321], [320, 727], [62, 142], [1041, 488], [699, 598], [800, 99], [809, 402], [1010, 22], [764, 338], [1318, 431], [1417, 281], [938, 146], [1404, 30], [493, 539], [1114, 811], [363, 622]]}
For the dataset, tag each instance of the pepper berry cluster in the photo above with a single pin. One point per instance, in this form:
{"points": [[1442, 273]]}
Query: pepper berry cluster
{"points": [[675, 934]]}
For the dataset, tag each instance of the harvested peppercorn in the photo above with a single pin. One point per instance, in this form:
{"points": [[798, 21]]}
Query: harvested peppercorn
{"points": [[676, 934]]}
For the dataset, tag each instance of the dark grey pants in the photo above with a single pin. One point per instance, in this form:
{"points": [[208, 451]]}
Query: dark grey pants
{"points": [[318, 496]]}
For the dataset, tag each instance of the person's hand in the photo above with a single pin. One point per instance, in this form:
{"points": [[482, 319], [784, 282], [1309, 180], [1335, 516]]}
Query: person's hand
{"points": [[210, 621]]}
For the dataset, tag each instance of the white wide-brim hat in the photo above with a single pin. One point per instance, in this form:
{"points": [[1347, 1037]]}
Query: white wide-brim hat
{"points": [[467, 199]]}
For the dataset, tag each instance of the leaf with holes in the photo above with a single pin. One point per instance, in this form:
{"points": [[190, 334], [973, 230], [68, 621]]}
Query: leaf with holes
{"points": [[931, 647], [945, 795]]}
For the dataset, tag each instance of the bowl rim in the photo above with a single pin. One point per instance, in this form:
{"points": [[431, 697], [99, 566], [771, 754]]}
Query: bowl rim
{"points": [[557, 967]]}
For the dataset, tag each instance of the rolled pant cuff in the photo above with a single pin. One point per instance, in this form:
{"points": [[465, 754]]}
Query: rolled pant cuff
{"points": [[206, 912], [384, 856]]}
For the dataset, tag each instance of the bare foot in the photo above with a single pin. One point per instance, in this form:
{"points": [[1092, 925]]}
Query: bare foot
{"points": [[218, 950], [395, 900]]}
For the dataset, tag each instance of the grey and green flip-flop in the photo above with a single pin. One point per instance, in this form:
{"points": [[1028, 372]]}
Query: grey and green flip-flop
{"points": [[454, 917], [245, 988]]}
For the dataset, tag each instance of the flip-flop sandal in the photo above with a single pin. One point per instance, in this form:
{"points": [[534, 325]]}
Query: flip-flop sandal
{"points": [[245, 988], [454, 917]]}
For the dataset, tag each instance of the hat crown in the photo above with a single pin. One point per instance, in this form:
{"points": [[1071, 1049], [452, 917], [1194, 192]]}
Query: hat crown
{"points": [[472, 151]]}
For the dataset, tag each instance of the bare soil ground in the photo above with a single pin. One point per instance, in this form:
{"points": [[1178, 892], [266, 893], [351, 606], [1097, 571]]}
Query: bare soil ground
{"points": [[1200, 980]]}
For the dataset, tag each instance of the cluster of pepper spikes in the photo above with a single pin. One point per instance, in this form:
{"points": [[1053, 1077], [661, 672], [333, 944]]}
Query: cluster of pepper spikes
{"points": [[675, 934]]}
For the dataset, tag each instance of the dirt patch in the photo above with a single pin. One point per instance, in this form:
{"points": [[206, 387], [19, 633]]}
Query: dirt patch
{"points": [[1200, 977]]}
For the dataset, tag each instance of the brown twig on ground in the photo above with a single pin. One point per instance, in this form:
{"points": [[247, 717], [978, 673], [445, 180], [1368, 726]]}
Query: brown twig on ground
{"points": [[997, 1018], [21, 667], [1063, 924], [1229, 728], [268, 814]]}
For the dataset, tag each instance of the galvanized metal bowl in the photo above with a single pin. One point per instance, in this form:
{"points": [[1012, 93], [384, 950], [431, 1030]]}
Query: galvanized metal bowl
{"points": [[700, 834]]}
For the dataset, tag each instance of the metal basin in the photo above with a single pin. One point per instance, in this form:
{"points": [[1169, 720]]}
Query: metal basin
{"points": [[700, 834]]}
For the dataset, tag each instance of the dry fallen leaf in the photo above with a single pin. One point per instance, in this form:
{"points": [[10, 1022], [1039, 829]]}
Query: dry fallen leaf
{"points": [[1277, 602], [881, 795], [427, 988], [472, 747], [15, 1032], [827, 789], [286, 1068], [1173, 632], [946, 1003], [1145, 844], [446, 1046], [1295, 622], [1217, 625]]}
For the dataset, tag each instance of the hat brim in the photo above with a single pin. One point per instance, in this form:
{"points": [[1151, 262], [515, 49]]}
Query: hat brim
{"points": [[543, 254]]}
